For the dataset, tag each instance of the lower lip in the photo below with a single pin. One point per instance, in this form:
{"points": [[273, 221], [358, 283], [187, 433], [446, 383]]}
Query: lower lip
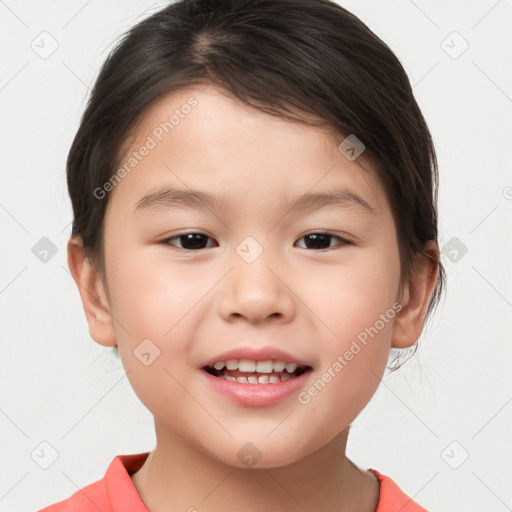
{"points": [[257, 395]]}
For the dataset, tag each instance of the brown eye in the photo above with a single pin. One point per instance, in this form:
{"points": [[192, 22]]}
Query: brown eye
{"points": [[321, 240], [189, 241]]}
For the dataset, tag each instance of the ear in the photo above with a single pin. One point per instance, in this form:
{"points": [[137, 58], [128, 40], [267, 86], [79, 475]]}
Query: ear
{"points": [[92, 293], [415, 298]]}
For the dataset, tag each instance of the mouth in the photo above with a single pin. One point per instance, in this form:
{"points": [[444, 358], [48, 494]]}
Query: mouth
{"points": [[247, 371]]}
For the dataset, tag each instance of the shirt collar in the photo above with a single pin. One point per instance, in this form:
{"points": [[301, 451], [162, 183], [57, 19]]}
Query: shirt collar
{"points": [[120, 489]]}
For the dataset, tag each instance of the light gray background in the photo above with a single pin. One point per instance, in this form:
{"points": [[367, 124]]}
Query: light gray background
{"points": [[61, 388]]}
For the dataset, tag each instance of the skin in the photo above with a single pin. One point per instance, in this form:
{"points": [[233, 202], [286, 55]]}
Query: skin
{"points": [[194, 305]]}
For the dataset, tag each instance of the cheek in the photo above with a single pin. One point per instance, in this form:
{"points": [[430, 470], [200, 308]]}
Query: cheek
{"points": [[155, 304], [161, 301], [356, 305], [352, 365], [153, 297], [349, 294]]}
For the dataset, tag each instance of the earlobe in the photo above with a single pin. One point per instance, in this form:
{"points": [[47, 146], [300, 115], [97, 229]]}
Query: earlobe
{"points": [[92, 293], [416, 297]]}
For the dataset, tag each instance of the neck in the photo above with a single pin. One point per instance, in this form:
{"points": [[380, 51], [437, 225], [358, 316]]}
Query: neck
{"points": [[178, 476]]}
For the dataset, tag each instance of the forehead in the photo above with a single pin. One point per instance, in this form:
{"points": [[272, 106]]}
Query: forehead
{"points": [[204, 138]]}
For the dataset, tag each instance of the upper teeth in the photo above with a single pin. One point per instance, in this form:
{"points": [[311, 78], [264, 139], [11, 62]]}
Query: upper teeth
{"points": [[246, 365]]}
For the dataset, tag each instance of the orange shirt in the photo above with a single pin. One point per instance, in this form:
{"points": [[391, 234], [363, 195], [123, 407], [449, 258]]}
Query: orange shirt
{"points": [[115, 492]]}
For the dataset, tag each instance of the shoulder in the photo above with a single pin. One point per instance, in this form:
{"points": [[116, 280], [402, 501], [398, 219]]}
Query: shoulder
{"points": [[114, 492], [91, 498], [392, 498]]}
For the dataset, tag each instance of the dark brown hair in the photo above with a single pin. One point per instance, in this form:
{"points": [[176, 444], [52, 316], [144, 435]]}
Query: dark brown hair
{"points": [[282, 57]]}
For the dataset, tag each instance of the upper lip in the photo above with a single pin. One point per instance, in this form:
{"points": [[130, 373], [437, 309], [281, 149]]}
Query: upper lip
{"points": [[255, 354]]}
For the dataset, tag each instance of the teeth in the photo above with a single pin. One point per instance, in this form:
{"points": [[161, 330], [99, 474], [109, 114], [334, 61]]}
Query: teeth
{"points": [[279, 366], [232, 364], [261, 379], [248, 366], [290, 367], [264, 366]]}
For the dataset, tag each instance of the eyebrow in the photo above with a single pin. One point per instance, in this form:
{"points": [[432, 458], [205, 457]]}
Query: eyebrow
{"points": [[170, 197]]}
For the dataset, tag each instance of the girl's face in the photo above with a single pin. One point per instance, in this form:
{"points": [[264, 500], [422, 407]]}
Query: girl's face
{"points": [[253, 279]]}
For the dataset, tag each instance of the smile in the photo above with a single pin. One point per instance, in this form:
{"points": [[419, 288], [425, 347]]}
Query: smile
{"points": [[246, 371]]}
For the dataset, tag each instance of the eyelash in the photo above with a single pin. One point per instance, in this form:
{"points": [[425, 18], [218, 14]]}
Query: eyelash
{"points": [[343, 241]]}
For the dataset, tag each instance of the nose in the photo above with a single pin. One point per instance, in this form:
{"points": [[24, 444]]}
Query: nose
{"points": [[257, 292]]}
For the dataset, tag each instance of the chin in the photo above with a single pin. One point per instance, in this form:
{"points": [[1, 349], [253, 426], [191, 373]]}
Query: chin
{"points": [[262, 455]]}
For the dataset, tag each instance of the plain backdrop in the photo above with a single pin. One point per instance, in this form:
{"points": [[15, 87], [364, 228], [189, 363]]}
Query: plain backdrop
{"points": [[440, 426]]}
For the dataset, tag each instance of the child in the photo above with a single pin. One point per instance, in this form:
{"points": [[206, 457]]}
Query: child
{"points": [[224, 144]]}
